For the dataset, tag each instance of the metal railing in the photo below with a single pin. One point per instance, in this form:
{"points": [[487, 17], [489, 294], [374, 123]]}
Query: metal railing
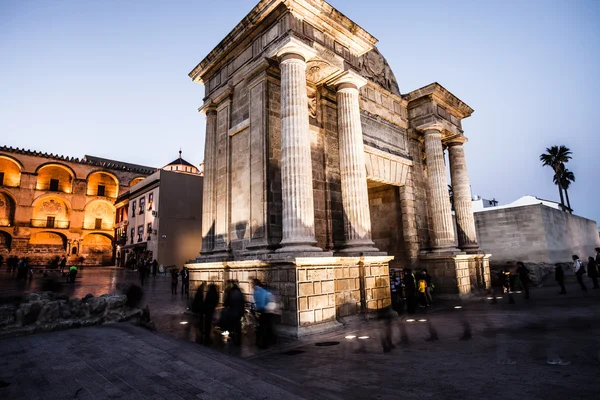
{"points": [[46, 223], [101, 227]]}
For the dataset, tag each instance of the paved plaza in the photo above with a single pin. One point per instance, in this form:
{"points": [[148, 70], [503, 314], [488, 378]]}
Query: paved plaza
{"points": [[506, 355]]}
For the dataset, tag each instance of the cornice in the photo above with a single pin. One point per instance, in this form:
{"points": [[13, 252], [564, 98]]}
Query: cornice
{"points": [[441, 95]]}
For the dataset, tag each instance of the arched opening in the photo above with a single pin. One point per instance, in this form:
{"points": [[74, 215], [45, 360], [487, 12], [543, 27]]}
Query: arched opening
{"points": [[5, 243], [10, 172], [55, 177], [46, 246], [136, 180], [74, 250], [50, 212], [97, 249], [99, 215], [7, 210], [102, 183]]}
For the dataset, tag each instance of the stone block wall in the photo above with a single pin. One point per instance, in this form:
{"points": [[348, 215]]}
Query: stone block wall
{"points": [[387, 224], [312, 290], [451, 275], [536, 234]]}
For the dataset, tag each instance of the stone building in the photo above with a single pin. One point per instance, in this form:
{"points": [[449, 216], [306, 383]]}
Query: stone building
{"points": [[52, 205], [534, 230], [320, 174], [159, 217]]}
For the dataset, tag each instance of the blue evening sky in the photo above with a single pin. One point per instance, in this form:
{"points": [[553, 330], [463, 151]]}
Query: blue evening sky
{"points": [[109, 78]]}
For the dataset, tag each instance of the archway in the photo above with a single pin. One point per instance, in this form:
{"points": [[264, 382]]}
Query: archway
{"points": [[7, 209], [97, 248], [45, 246], [99, 215], [102, 183], [50, 211], [10, 171], [136, 180], [5, 243], [55, 177]]}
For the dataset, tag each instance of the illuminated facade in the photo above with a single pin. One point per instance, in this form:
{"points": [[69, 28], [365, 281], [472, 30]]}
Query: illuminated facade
{"points": [[53, 205]]}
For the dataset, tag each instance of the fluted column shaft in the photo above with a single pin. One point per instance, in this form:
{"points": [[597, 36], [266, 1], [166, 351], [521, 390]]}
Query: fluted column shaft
{"points": [[208, 191], [355, 195], [461, 189], [437, 185], [296, 164]]}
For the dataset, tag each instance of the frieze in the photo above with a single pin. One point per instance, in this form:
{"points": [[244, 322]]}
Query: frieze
{"points": [[51, 207], [374, 66]]}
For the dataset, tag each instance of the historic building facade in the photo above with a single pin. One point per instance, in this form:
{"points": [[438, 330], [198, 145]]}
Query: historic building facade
{"points": [[52, 205], [320, 174], [159, 217]]}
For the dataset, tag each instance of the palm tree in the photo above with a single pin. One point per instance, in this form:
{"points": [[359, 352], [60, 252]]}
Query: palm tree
{"points": [[564, 179], [555, 157]]}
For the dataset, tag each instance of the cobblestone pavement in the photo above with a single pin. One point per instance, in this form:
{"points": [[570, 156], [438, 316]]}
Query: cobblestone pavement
{"points": [[503, 354]]}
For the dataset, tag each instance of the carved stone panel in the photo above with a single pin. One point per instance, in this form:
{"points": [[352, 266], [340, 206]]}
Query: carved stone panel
{"points": [[372, 65]]}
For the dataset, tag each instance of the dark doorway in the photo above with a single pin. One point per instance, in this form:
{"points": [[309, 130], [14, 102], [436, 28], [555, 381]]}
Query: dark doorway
{"points": [[101, 190], [50, 222], [54, 185], [98, 223]]}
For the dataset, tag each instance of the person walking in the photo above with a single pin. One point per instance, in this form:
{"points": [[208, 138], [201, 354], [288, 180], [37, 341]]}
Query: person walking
{"points": [[592, 270], [63, 264], [143, 270], [559, 276], [154, 268], [234, 305], [210, 304], [429, 287], [261, 300], [174, 280], [523, 274], [185, 282], [411, 291], [421, 286], [579, 271]]}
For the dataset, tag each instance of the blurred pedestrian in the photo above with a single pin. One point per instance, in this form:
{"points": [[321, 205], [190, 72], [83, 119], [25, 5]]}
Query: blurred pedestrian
{"points": [[579, 270], [174, 280], [22, 269], [265, 328], [63, 264], [143, 271], [234, 304], [421, 286], [592, 271], [523, 274], [210, 304], [559, 276], [154, 268], [411, 291], [429, 287], [185, 282]]}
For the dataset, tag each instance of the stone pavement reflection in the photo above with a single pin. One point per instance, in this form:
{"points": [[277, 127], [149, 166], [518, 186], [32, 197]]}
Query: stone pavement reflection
{"points": [[544, 348]]}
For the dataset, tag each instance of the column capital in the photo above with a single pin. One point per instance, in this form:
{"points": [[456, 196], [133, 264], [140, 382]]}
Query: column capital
{"points": [[292, 46], [208, 108], [456, 141], [347, 78], [432, 129]]}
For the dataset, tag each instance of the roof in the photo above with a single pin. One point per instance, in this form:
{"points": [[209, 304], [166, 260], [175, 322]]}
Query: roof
{"points": [[180, 161], [527, 200], [87, 159], [106, 162]]}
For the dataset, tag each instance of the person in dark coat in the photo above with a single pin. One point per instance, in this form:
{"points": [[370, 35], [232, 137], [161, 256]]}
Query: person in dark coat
{"points": [[210, 304], [410, 286], [592, 271], [559, 275], [197, 307], [234, 306], [174, 280], [579, 270], [185, 282], [523, 274], [154, 268]]}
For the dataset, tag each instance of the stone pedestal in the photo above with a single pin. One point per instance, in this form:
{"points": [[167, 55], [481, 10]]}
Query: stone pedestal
{"points": [[457, 276], [442, 238], [461, 189], [315, 291]]}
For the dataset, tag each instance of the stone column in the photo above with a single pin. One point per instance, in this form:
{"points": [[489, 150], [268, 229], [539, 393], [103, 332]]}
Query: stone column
{"points": [[296, 163], [208, 191], [355, 195], [439, 198], [461, 188]]}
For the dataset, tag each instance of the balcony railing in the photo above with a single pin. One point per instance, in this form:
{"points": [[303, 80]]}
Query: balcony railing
{"points": [[5, 222], [95, 226], [46, 223]]}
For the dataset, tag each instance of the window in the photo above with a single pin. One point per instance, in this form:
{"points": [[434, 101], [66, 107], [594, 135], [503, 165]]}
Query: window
{"points": [[101, 190], [50, 222], [150, 200], [133, 208], [1, 178], [74, 250], [149, 227], [132, 235], [140, 232], [98, 223], [54, 185], [142, 204]]}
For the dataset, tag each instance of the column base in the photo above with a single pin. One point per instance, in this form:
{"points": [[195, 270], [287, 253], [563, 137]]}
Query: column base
{"points": [[299, 245], [472, 249], [446, 251]]}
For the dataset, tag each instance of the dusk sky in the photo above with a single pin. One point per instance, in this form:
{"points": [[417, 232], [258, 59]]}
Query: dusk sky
{"points": [[109, 78]]}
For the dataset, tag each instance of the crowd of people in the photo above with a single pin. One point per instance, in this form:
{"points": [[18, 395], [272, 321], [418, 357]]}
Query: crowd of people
{"points": [[411, 290], [19, 265]]}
